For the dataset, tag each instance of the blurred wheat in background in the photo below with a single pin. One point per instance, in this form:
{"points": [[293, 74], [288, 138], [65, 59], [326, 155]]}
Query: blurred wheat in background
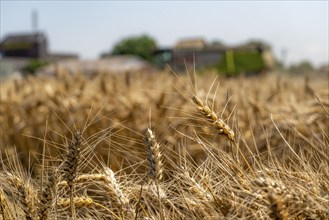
{"points": [[162, 146]]}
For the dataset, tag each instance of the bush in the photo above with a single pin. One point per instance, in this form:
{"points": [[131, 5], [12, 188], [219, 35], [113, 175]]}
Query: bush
{"points": [[33, 66]]}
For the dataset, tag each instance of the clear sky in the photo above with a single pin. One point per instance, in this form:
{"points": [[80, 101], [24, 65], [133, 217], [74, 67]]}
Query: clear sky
{"points": [[89, 28]]}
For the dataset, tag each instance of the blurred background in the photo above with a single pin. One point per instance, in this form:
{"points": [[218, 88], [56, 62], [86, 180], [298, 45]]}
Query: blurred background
{"points": [[230, 37]]}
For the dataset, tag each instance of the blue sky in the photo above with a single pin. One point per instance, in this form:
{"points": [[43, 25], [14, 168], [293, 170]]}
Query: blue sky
{"points": [[92, 27]]}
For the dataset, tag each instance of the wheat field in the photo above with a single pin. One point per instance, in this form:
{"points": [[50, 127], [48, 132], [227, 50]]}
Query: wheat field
{"points": [[164, 146]]}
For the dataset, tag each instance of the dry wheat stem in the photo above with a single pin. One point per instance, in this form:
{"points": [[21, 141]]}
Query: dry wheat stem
{"points": [[24, 194], [84, 202], [79, 202], [70, 166], [214, 119], [196, 187], [47, 196], [156, 167], [109, 183], [277, 208], [112, 182], [220, 125], [3, 206], [154, 156]]}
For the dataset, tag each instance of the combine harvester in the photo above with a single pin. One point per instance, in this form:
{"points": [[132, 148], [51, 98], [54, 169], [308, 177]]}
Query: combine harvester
{"points": [[249, 59]]}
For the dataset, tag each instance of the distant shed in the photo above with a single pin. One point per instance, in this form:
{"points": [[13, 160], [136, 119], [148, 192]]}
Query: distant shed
{"points": [[33, 45], [18, 50], [30, 46], [187, 53], [191, 44]]}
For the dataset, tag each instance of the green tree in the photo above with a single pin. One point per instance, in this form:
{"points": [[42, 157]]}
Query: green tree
{"points": [[304, 66], [142, 46]]}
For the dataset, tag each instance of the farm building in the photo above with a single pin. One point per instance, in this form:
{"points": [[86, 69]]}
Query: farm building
{"points": [[32, 45], [188, 53], [18, 50]]}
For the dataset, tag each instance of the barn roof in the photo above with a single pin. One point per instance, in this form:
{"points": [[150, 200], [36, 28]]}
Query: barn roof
{"points": [[193, 43], [15, 38]]}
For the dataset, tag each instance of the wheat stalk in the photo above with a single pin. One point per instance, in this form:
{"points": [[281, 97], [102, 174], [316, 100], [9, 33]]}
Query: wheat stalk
{"points": [[4, 206], [154, 156], [195, 186], [24, 194], [79, 202], [214, 119], [85, 202], [70, 167], [47, 196], [277, 208], [109, 183], [156, 167]]}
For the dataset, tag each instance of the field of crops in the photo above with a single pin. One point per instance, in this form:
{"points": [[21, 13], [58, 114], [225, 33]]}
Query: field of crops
{"points": [[164, 146]]}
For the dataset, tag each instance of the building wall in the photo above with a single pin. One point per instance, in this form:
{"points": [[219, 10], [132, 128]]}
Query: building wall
{"points": [[199, 59], [11, 65]]}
